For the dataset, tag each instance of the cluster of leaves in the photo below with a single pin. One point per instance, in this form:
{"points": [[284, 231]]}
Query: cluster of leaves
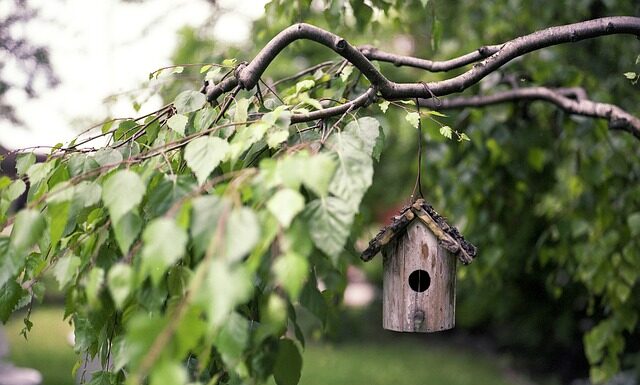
{"points": [[186, 244]]}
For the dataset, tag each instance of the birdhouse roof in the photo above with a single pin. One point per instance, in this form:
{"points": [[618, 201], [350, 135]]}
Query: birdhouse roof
{"points": [[448, 236]]}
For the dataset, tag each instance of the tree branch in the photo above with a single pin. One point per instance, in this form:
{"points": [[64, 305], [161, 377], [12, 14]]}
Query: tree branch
{"points": [[373, 53], [361, 101], [247, 75], [571, 100]]}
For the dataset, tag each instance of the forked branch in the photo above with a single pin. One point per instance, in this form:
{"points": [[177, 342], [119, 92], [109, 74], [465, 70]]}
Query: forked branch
{"points": [[487, 60], [571, 100]]}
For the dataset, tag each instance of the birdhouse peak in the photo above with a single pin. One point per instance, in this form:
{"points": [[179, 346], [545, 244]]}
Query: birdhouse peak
{"points": [[448, 236]]}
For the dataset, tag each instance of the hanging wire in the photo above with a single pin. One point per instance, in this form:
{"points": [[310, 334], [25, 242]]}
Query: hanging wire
{"points": [[418, 185], [437, 102]]}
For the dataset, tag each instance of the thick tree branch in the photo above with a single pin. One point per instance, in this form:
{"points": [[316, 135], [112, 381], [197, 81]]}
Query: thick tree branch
{"points": [[571, 100], [247, 75], [518, 47]]}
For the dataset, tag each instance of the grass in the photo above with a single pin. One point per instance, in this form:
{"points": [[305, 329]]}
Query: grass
{"points": [[47, 348], [405, 362], [402, 361]]}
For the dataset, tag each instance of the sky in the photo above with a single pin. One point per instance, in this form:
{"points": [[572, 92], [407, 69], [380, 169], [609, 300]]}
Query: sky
{"points": [[100, 48]]}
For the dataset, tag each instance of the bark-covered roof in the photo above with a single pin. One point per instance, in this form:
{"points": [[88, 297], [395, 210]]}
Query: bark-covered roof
{"points": [[448, 236]]}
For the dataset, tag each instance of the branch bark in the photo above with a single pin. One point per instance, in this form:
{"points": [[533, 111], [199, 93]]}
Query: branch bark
{"points": [[571, 100], [247, 75], [373, 53]]}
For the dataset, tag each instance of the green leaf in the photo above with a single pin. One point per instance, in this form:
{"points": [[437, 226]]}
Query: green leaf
{"points": [[192, 328], [274, 138], [204, 118], [15, 189], [232, 339], [413, 118], [318, 173], [10, 295], [355, 168], [633, 220], [345, 73], [120, 282], [39, 171], [285, 205], [10, 261], [178, 123], [446, 131], [93, 285], [367, 129], [329, 222], [205, 68], [205, 219], [122, 192], [384, 106], [107, 156], [103, 378], [312, 299], [225, 288], [304, 85], [242, 106], [81, 164], [436, 113], [288, 366], [66, 270], [464, 137], [5, 181], [242, 233], [229, 62], [164, 244], [142, 331], [23, 162], [58, 217], [27, 230], [168, 373], [189, 101], [204, 154], [291, 271], [304, 98], [630, 75], [87, 194], [126, 230], [106, 126], [245, 137]]}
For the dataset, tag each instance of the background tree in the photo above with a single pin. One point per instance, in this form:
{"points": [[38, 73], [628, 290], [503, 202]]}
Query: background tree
{"points": [[233, 212]]}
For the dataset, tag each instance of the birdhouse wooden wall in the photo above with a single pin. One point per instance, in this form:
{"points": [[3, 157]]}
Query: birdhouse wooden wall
{"points": [[419, 292]]}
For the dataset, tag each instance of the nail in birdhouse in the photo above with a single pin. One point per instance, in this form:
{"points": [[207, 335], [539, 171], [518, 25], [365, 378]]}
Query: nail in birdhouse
{"points": [[419, 251]]}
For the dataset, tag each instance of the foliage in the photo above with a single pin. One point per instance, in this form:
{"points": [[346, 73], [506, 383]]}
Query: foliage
{"points": [[186, 243], [190, 244], [550, 200]]}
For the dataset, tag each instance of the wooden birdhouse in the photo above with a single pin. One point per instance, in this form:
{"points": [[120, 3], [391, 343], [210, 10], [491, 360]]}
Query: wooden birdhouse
{"points": [[419, 251]]}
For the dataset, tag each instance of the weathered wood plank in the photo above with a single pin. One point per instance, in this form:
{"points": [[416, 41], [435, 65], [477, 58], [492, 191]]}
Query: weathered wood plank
{"points": [[408, 310]]}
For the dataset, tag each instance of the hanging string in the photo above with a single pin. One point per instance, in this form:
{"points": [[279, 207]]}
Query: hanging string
{"points": [[418, 185], [437, 102]]}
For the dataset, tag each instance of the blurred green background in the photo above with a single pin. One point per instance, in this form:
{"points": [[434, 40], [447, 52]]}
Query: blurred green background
{"points": [[379, 358]]}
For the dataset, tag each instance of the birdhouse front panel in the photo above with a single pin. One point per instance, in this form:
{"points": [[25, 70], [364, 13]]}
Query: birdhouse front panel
{"points": [[419, 282]]}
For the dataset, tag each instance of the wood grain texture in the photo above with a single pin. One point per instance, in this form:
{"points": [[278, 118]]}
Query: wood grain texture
{"points": [[407, 310]]}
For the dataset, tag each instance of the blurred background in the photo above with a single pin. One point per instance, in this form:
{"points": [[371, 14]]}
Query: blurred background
{"points": [[548, 198]]}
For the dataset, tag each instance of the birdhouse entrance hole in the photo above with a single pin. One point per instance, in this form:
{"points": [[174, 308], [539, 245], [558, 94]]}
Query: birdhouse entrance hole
{"points": [[419, 281]]}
